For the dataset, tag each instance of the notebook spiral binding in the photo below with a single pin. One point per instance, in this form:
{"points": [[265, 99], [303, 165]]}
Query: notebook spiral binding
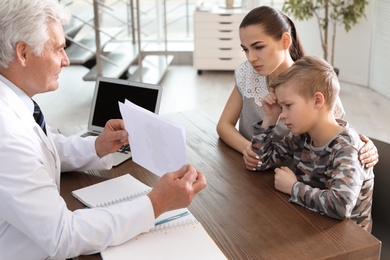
{"points": [[127, 198], [170, 225]]}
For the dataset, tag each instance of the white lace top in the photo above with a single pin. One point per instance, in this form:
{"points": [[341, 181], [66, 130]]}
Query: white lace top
{"points": [[253, 88]]}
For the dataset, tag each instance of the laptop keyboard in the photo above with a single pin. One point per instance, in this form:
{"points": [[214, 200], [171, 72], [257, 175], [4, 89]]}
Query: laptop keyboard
{"points": [[89, 134], [124, 149]]}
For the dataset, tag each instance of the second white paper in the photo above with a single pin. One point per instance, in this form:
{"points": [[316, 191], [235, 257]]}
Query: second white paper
{"points": [[156, 144]]}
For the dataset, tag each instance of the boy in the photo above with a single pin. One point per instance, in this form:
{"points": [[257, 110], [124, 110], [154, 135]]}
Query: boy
{"points": [[327, 176]]}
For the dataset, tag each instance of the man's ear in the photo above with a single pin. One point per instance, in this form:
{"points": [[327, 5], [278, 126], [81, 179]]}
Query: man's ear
{"points": [[319, 100], [21, 51]]}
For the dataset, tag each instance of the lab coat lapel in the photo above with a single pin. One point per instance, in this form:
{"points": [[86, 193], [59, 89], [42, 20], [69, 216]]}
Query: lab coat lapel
{"points": [[12, 100]]}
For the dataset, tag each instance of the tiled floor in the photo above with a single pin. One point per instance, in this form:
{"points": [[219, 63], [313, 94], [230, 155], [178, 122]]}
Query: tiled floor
{"points": [[69, 106], [184, 89]]}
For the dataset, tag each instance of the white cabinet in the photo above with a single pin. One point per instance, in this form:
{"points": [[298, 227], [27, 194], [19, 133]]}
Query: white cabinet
{"points": [[216, 38]]}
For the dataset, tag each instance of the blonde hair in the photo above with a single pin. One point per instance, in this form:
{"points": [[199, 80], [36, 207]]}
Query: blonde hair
{"points": [[309, 75]]}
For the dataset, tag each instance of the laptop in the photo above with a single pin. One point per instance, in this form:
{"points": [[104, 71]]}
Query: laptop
{"points": [[108, 91]]}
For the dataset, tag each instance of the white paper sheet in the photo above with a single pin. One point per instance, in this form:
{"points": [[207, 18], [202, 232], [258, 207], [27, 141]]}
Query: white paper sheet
{"points": [[156, 144]]}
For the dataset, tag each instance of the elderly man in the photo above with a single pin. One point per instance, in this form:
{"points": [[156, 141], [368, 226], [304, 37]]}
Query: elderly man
{"points": [[34, 220]]}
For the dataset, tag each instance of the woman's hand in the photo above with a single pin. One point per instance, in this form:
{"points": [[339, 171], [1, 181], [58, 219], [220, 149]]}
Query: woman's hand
{"points": [[368, 154], [251, 158]]}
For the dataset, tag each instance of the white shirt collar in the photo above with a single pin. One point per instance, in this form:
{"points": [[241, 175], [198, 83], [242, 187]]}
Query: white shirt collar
{"points": [[20, 93]]}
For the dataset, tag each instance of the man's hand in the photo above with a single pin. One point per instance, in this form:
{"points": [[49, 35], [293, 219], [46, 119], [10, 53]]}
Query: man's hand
{"points": [[113, 137], [176, 189]]}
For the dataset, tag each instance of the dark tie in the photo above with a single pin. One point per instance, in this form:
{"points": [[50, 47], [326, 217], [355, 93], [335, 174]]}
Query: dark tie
{"points": [[38, 116]]}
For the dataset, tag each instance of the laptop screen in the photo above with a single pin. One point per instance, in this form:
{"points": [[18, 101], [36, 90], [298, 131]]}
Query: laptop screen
{"points": [[109, 91]]}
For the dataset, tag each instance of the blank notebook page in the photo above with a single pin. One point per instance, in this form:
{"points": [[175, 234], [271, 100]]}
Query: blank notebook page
{"points": [[189, 241]]}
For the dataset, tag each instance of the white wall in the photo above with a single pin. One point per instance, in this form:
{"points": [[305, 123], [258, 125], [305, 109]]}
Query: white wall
{"points": [[352, 51]]}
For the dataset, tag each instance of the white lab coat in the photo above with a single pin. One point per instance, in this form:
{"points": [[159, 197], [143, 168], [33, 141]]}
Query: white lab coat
{"points": [[34, 220]]}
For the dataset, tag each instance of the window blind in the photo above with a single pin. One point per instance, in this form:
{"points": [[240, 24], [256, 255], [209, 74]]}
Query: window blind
{"points": [[380, 54]]}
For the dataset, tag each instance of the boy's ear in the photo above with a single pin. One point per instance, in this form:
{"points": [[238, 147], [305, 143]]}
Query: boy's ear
{"points": [[319, 100]]}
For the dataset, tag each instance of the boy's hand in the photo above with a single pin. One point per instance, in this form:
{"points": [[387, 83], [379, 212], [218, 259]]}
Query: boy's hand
{"points": [[284, 179], [272, 109]]}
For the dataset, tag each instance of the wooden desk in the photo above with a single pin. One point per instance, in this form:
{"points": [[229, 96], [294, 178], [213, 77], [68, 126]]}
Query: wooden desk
{"points": [[241, 210]]}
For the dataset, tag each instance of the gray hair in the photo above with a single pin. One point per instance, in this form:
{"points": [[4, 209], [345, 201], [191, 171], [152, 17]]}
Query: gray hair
{"points": [[26, 20]]}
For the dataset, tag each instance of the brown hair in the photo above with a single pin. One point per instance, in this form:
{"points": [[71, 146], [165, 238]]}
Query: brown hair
{"points": [[309, 75], [275, 23]]}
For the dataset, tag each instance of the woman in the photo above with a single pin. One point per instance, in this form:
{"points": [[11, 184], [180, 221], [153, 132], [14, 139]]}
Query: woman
{"points": [[271, 44]]}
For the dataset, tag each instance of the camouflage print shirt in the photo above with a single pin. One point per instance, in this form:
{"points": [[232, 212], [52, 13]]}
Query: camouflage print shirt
{"points": [[331, 179]]}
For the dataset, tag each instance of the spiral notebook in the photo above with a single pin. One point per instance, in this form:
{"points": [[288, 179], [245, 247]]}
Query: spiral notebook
{"points": [[183, 238], [111, 191], [180, 237]]}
